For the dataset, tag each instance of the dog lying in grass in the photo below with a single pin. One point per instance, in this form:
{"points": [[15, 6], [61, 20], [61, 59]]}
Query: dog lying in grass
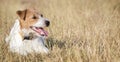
{"points": [[28, 34]]}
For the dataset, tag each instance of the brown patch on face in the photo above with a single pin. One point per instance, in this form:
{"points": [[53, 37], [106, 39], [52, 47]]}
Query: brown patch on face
{"points": [[28, 17]]}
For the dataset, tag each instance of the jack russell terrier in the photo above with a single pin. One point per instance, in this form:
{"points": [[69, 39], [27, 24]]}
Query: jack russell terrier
{"points": [[27, 34]]}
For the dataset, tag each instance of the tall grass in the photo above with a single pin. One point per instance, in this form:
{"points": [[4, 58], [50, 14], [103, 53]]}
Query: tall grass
{"points": [[80, 31]]}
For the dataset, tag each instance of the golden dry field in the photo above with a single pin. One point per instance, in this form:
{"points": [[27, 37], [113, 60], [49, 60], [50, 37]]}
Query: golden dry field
{"points": [[80, 30]]}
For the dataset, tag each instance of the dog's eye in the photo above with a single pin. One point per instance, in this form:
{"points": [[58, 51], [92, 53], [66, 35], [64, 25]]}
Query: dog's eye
{"points": [[34, 17], [41, 15]]}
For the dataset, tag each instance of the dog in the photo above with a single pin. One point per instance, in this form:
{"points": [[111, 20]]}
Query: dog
{"points": [[27, 34]]}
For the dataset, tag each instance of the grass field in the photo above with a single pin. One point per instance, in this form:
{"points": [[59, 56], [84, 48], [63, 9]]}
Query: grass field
{"points": [[80, 30]]}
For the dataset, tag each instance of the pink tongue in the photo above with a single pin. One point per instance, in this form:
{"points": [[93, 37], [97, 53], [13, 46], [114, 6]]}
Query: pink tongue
{"points": [[42, 32]]}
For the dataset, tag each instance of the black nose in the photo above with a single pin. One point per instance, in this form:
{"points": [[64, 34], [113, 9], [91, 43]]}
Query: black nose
{"points": [[47, 23]]}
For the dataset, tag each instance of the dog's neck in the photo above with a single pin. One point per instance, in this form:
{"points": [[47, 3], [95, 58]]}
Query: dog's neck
{"points": [[29, 37]]}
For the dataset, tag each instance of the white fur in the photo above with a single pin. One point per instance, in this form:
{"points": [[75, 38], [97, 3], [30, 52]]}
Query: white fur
{"points": [[40, 22], [23, 47]]}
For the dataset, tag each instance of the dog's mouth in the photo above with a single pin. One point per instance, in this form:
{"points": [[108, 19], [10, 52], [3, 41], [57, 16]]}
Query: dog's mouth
{"points": [[39, 30]]}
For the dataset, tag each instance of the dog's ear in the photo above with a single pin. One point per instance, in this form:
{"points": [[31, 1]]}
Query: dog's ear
{"points": [[22, 14]]}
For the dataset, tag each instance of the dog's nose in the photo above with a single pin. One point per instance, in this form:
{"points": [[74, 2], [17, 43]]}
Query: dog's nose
{"points": [[47, 22]]}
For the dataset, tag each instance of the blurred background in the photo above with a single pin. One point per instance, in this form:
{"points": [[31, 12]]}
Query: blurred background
{"points": [[80, 30]]}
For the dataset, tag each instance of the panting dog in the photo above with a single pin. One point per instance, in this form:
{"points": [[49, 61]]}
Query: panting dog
{"points": [[27, 34]]}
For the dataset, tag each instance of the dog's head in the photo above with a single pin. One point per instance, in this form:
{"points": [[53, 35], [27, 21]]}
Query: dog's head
{"points": [[31, 19]]}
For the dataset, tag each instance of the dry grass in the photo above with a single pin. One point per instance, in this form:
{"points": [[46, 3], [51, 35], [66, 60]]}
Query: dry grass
{"points": [[80, 31]]}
